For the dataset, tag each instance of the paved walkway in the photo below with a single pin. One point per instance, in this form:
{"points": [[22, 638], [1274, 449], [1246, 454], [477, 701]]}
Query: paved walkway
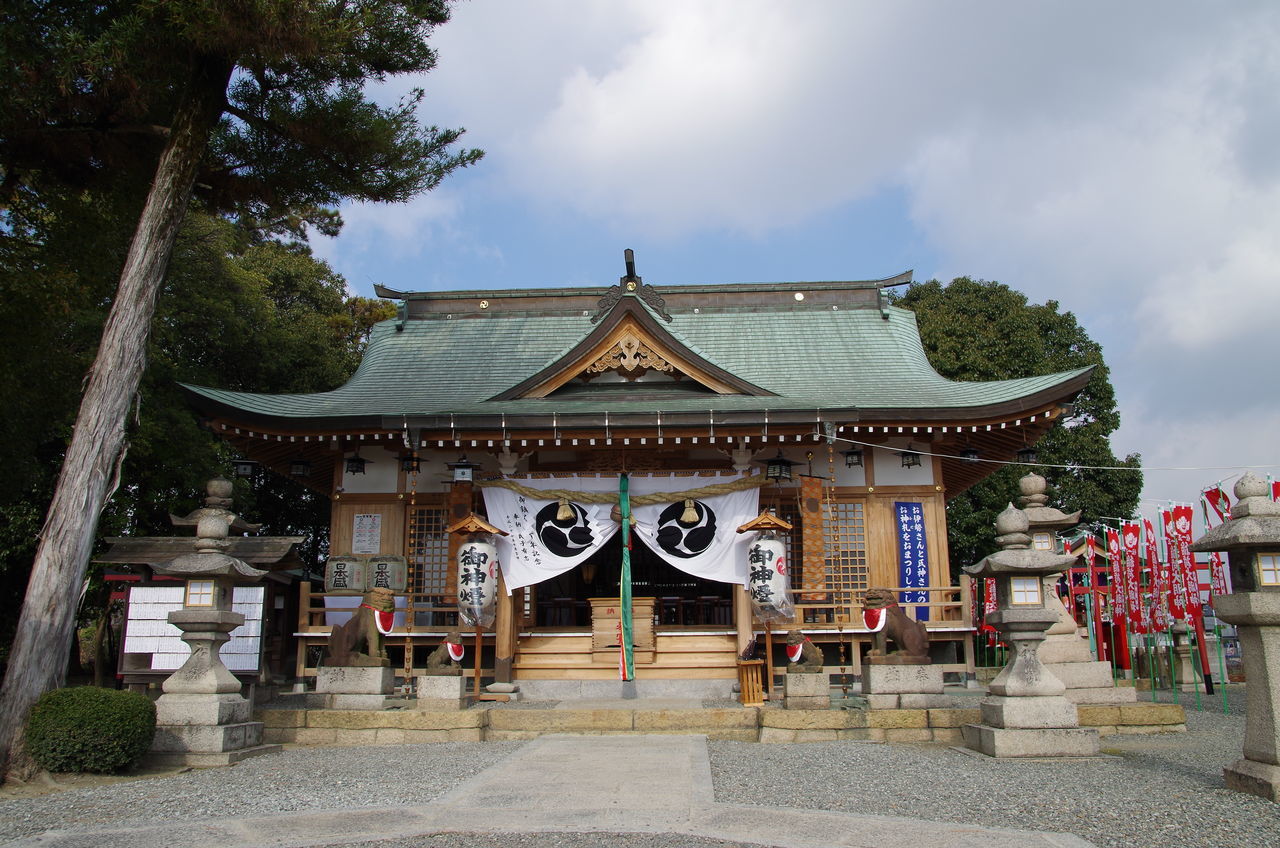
{"points": [[574, 784]]}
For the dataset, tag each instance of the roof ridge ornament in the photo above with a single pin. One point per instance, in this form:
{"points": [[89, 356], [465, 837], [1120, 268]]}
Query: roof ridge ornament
{"points": [[631, 284]]}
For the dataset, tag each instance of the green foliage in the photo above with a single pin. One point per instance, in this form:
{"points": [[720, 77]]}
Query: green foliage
{"points": [[979, 330], [87, 729], [91, 88], [235, 311]]}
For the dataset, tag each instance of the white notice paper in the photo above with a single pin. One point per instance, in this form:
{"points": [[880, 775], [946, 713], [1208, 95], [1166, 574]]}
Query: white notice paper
{"points": [[366, 534]]}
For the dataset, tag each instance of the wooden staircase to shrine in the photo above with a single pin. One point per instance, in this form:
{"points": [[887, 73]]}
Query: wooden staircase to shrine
{"points": [[569, 656]]}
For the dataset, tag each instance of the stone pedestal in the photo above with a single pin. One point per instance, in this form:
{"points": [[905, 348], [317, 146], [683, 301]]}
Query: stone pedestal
{"points": [[1031, 742], [201, 719], [1256, 616], [1184, 670], [1066, 655], [441, 692], [914, 687], [807, 691], [355, 687]]}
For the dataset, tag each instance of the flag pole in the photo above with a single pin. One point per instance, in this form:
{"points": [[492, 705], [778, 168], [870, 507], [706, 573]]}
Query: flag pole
{"points": [[628, 664], [1222, 663]]}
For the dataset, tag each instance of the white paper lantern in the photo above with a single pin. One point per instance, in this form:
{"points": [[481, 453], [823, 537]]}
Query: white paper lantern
{"points": [[477, 580], [768, 585]]}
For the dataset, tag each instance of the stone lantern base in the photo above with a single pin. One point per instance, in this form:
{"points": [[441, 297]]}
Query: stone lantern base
{"points": [[1035, 726], [1031, 742], [1253, 777], [204, 730], [201, 719]]}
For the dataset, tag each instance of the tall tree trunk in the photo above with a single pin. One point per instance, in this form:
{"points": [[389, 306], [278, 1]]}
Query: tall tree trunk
{"points": [[37, 662]]}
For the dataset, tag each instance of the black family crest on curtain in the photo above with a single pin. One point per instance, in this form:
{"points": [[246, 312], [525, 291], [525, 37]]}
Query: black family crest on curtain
{"points": [[557, 523], [684, 541], [565, 537]]}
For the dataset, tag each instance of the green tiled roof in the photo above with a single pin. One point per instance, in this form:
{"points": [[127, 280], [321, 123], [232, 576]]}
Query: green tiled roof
{"points": [[810, 358]]}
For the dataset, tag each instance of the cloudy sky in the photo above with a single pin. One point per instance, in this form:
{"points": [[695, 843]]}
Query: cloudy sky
{"points": [[1120, 158]]}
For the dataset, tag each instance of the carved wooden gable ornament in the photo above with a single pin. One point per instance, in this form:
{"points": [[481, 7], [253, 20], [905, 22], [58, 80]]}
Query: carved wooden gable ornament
{"points": [[629, 343]]}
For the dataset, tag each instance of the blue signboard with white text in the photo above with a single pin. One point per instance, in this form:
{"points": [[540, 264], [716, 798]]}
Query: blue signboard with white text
{"points": [[913, 555]]}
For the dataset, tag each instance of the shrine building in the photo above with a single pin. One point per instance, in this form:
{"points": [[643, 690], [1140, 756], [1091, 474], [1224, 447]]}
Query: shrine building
{"points": [[814, 400]]}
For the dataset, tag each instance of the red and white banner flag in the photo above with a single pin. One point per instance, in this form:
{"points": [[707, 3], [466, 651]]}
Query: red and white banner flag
{"points": [[1133, 575], [989, 607], [1119, 594], [1218, 584], [1217, 499], [1275, 489], [1160, 579], [1177, 588], [1182, 518], [1217, 569]]}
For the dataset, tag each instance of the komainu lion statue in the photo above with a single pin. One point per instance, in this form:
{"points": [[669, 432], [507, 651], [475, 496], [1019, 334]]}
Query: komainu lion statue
{"points": [[886, 621], [440, 662], [804, 655], [359, 642]]}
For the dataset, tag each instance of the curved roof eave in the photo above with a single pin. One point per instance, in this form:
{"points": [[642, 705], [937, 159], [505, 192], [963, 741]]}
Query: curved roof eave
{"points": [[274, 412]]}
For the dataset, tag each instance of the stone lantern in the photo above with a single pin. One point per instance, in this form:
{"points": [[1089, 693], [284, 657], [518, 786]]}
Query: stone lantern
{"points": [[1251, 539], [1025, 713], [1064, 652], [201, 719]]}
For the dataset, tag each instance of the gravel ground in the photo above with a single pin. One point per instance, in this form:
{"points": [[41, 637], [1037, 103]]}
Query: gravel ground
{"points": [[558, 840], [1163, 790], [296, 779], [1156, 790]]}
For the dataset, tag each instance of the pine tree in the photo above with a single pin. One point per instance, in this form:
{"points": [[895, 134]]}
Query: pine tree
{"points": [[258, 103]]}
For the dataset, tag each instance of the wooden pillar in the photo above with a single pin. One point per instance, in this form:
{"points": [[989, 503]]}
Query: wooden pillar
{"points": [[966, 606], [742, 617], [504, 634], [460, 498]]}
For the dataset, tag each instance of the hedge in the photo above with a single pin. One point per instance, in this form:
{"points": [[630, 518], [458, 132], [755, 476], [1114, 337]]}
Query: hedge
{"points": [[89, 729]]}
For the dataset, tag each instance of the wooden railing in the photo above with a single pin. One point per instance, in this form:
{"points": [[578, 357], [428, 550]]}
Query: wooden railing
{"points": [[819, 609]]}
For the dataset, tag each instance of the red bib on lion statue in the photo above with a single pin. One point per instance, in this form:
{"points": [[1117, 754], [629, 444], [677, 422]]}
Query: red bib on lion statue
{"points": [[383, 619], [874, 619]]}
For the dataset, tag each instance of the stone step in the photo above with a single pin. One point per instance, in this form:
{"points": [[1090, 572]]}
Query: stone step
{"points": [[748, 724]]}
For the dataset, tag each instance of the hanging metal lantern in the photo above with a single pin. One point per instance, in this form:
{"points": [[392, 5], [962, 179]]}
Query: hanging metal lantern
{"points": [[969, 454], [778, 468], [910, 458], [852, 458], [356, 463], [463, 470], [768, 576]]}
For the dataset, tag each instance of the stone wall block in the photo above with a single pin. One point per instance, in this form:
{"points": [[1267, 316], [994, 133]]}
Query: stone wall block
{"points": [[898, 718]]}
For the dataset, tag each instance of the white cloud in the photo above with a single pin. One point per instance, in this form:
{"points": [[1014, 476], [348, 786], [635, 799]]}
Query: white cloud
{"points": [[396, 233], [1123, 159]]}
